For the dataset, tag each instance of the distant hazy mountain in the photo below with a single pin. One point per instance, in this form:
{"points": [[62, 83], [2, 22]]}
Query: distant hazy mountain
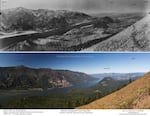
{"points": [[135, 95], [26, 19], [21, 77], [134, 38], [119, 76], [105, 86], [109, 84]]}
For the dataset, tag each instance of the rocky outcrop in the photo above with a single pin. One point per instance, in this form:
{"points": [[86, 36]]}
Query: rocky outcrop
{"points": [[21, 19], [21, 77]]}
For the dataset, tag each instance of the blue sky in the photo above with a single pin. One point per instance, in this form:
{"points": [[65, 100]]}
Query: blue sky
{"points": [[89, 63], [91, 6]]}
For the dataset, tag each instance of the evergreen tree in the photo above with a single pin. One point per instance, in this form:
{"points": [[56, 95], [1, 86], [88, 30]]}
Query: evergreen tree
{"points": [[130, 80]]}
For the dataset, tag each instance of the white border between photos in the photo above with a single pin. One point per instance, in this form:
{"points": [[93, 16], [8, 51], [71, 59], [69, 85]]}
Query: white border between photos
{"points": [[78, 52]]}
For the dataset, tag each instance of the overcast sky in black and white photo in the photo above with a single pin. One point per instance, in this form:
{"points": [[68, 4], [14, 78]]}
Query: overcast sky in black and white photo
{"points": [[91, 6]]}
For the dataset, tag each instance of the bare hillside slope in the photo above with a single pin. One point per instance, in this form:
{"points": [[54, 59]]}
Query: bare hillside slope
{"points": [[134, 38], [134, 96]]}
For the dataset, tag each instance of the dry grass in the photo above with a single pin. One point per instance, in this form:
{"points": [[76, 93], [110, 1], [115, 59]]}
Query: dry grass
{"points": [[135, 95]]}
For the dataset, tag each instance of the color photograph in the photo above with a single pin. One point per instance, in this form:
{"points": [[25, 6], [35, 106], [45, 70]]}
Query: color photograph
{"points": [[75, 80]]}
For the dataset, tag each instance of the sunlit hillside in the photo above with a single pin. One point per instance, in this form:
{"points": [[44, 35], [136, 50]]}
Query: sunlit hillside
{"points": [[134, 96]]}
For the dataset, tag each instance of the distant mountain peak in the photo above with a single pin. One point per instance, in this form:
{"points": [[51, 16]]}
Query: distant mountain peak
{"points": [[20, 8], [108, 79], [21, 66], [41, 19]]}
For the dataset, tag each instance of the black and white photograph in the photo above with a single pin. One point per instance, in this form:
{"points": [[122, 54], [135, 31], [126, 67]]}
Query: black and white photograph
{"points": [[75, 25]]}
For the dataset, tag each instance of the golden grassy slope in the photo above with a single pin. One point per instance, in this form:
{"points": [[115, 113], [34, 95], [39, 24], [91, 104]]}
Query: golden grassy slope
{"points": [[135, 95]]}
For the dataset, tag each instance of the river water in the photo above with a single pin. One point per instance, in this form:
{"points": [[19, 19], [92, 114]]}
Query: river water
{"points": [[10, 96]]}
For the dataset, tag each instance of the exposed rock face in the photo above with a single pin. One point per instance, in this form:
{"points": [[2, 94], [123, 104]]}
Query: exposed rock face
{"points": [[23, 78], [22, 19]]}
